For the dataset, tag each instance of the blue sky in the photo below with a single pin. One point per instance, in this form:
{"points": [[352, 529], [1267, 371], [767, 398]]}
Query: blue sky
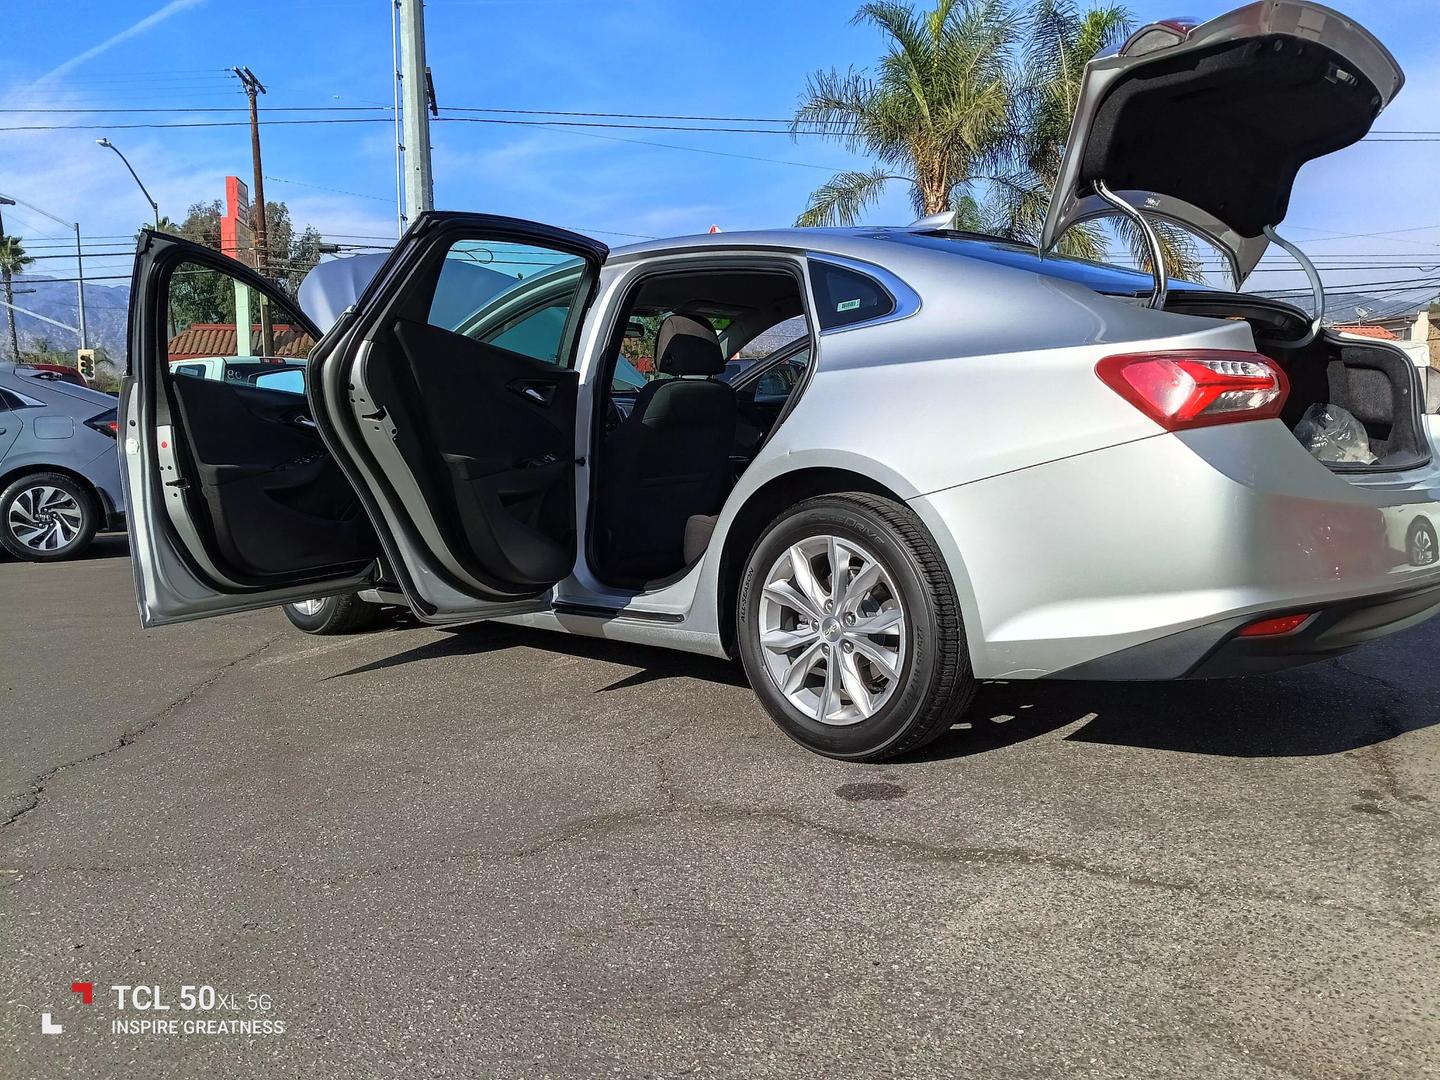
{"points": [[740, 58]]}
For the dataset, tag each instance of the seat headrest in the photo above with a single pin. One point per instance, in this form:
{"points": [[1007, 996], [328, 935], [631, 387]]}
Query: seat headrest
{"points": [[686, 346]]}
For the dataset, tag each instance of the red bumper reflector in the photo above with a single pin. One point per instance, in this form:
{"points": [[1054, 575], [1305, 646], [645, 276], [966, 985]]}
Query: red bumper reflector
{"points": [[1270, 627]]}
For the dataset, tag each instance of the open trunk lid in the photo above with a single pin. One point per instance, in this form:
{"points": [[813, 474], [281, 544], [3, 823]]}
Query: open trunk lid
{"points": [[1206, 126]]}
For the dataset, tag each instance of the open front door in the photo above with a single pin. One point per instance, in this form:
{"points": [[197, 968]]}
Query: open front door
{"points": [[235, 501], [450, 392]]}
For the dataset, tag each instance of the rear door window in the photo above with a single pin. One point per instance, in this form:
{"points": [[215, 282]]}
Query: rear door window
{"points": [[517, 297], [844, 297]]}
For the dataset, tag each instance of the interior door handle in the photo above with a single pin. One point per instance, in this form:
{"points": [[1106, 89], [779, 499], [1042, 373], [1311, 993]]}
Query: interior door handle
{"points": [[305, 422], [534, 390]]}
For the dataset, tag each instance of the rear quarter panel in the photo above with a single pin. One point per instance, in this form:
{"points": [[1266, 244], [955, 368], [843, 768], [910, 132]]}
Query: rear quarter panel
{"points": [[996, 372]]}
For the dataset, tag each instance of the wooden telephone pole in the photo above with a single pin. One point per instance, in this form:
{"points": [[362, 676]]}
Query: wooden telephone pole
{"points": [[253, 87]]}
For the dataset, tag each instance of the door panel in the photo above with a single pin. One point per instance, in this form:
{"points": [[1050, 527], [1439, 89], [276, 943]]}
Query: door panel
{"points": [[503, 425], [236, 501], [275, 500], [452, 394]]}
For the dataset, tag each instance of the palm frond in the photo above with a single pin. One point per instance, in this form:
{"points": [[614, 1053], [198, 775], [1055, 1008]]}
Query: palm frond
{"points": [[843, 198], [835, 104], [13, 258], [1178, 249]]}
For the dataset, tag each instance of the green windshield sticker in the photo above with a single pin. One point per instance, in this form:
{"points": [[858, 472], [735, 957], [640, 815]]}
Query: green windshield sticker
{"points": [[847, 305]]}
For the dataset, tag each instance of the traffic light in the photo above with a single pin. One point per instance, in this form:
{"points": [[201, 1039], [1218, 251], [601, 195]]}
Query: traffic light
{"points": [[85, 361]]}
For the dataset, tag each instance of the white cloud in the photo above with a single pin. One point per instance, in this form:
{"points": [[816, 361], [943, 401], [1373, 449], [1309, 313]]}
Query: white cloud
{"points": [[174, 7]]}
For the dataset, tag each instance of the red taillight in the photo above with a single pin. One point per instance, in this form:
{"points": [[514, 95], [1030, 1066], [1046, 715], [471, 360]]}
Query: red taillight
{"points": [[106, 423], [1283, 624], [1189, 388]]}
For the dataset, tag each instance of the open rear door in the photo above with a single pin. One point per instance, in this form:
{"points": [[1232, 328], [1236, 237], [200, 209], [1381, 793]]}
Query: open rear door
{"points": [[450, 393], [235, 500]]}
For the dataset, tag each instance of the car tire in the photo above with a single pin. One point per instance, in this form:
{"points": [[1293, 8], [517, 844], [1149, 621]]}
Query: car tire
{"points": [[345, 614], [62, 506], [859, 696]]}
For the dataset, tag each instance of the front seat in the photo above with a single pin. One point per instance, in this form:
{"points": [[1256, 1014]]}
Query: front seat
{"points": [[669, 460]]}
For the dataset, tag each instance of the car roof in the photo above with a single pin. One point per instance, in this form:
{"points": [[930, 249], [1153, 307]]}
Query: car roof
{"points": [[886, 246], [30, 380]]}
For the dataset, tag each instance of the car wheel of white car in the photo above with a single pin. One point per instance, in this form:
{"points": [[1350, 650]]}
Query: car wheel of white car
{"points": [[47, 516], [333, 615], [850, 630]]}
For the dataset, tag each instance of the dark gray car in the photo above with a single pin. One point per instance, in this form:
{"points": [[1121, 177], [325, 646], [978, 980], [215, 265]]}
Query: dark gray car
{"points": [[59, 472]]}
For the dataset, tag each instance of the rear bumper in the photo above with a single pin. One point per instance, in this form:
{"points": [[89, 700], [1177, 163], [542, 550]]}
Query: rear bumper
{"points": [[1141, 561], [1216, 650]]}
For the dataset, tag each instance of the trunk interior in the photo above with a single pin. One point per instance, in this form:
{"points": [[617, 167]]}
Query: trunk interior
{"points": [[1377, 384]]}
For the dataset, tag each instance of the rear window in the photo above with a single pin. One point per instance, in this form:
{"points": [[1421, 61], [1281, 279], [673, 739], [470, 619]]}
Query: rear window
{"points": [[1101, 277], [844, 297]]}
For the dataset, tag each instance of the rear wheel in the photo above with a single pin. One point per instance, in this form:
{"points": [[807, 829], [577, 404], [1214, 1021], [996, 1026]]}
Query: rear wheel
{"points": [[333, 615], [850, 629], [45, 517]]}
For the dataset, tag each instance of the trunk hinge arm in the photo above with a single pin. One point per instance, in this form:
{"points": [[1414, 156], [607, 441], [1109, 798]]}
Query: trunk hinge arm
{"points": [[1316, 286], [1152, 240]]}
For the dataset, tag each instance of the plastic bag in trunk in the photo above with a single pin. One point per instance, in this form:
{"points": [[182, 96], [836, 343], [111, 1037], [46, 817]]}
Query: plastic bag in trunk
{"points": [[1334, 435]]}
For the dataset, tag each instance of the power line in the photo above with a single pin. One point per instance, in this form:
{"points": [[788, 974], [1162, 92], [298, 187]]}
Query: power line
{"points": [[153, 125], [1433, 133], [321, 187], [1419, 284]]}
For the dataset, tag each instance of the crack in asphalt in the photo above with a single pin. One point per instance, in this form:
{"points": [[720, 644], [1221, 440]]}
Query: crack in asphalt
{"points": [[615, 822], [38, 784]]}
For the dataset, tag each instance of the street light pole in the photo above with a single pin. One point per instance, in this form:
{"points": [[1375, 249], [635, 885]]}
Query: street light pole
{"points": [[8, 200], [153, 204]]}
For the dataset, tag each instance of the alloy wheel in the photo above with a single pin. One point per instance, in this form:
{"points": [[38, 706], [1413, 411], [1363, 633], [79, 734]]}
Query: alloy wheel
{"points": [[832, 630], [45, 518], [308, 607]]}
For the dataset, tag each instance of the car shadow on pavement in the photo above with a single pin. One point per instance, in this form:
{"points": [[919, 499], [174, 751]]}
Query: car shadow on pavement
{"points": [[104, 546], [107, 546], [654, 664], [1328, 709], [1325, 709]]}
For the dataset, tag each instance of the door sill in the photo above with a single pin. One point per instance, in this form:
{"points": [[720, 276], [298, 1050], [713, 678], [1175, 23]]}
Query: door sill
{"points": [[595, 611]]}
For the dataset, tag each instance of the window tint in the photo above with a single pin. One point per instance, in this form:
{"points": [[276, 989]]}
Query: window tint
{"points": [[537, 334], [844, 297], [290, 380], [517, 297], [221, 328], [777, 383]]}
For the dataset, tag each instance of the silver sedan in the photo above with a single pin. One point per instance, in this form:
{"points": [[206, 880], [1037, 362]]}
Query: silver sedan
{"points": [[877, 464]]}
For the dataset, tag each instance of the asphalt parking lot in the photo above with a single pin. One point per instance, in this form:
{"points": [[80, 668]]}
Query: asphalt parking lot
{"points": [[492, 852]]}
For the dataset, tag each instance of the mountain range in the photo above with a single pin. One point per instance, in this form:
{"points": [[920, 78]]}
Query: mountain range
{"points": [[106, 308]]}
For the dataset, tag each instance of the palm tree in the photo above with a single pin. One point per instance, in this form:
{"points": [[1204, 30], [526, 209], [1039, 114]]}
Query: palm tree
{"points": [[1058, 42], [936, 111], [163, 225], [13, 260]]}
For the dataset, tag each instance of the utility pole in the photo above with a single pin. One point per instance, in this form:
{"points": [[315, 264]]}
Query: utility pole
{"points": [[80, 288], [414, 80], [253, 86]]}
